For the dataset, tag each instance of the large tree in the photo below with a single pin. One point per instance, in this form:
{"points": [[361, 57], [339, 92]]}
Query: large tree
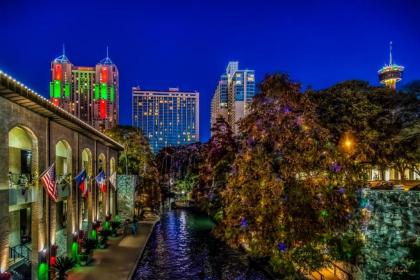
{"points": [[137, 159], [384, 124], [219, 153], [291, 190]]}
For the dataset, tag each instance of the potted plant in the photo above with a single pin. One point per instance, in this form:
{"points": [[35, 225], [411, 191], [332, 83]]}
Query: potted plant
{"points": [[103, 238], [62, 266], [87, 250], [115, 224], [84, 259]]}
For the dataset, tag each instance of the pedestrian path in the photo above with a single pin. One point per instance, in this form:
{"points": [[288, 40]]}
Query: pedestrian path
{"points": [[119, 260]]}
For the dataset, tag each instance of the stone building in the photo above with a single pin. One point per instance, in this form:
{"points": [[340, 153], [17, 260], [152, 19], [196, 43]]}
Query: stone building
{"points": [[34, 134]]}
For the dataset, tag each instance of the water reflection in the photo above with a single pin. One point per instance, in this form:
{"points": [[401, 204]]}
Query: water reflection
{"points": [[181, 247]]}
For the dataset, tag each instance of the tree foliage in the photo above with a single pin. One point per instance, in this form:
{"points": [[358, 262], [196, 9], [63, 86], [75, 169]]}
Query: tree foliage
{"points": [[385, 124], [291, 188], [137, 159], [219, 153]]}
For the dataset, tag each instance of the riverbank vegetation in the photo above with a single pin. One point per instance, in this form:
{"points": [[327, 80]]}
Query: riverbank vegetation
{"points": [[137, 159], [287, 187]]}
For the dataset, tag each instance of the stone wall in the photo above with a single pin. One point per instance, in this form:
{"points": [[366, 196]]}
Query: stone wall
{"points": [[126, 191], [392, 230]]}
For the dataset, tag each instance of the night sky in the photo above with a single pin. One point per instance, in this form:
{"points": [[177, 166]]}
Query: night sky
{"points": [[162, 44]]}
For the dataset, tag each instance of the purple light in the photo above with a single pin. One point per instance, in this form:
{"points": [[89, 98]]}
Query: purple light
{"points": [[282, 247], [341, 190], [244, 224], [250, 141], [287, 109], [336, 167]]}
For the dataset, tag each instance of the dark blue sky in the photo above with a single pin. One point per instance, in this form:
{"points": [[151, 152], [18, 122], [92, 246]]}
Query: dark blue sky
{"points": [[161, 44]]}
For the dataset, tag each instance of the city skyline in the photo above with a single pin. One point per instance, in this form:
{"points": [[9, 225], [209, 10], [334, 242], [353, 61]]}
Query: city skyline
{"points": [[182, 50]]}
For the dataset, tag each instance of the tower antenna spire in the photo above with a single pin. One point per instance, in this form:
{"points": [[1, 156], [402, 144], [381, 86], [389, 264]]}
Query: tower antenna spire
{"points": [[390, 53], [64, 49], [107, 52]]}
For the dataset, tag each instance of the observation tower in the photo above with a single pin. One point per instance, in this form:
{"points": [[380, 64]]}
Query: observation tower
{"points": [[390, 74]]}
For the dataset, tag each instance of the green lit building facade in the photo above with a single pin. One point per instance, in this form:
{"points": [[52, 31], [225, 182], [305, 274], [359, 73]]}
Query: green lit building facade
{"points": [[89, 93]]}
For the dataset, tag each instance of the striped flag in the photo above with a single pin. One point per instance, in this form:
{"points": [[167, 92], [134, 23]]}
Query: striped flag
{"points": [[81, 182], [47, 179], [113, 180], [100, 180]]}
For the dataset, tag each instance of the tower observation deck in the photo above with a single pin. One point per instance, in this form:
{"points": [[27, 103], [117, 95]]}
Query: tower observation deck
{"points": [[390, 74]]}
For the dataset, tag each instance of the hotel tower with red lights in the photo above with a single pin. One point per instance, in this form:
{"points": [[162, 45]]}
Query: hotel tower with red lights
{"points": [[89, 93]]}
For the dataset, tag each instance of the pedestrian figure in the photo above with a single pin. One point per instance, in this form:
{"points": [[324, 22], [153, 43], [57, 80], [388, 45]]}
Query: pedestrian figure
{"points": [[125, 226], [134, 227]]}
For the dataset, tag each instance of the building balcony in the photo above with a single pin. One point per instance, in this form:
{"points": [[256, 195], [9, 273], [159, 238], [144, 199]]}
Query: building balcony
{"points": [[20, 196], [63, 186], [21, 189]]}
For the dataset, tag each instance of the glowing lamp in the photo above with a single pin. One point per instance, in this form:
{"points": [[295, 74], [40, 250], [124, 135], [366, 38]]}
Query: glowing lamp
{"points": [[347, 143]]}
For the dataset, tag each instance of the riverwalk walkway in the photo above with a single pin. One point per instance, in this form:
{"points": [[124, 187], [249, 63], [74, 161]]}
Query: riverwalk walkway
{"points": [[119, 260]]}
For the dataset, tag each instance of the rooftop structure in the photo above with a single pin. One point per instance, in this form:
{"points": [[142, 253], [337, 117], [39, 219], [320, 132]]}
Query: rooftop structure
{"points": [[390, 74]]}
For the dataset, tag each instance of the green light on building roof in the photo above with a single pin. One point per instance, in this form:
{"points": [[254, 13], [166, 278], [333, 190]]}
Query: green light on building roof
{"points": [[96, 92], [67, 90], [104, 91], [112, 93], [57, 89]]}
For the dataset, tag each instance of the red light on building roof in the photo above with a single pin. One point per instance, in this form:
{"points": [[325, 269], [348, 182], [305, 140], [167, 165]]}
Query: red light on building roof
{"points": [[58, 72], [104, 75], [102, 109]]}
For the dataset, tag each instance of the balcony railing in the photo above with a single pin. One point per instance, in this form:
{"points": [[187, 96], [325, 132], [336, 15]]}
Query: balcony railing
{"points": [[63, 185], [20, 181], [21, 189], [21, 196]]}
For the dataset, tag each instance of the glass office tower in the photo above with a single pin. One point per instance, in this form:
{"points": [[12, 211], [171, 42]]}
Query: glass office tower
{"points": [[167, 118], [233, 95]]}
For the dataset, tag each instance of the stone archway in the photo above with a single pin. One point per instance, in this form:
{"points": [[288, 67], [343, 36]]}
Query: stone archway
{"points": [[85, 206], [112, 192], [24, 195], [102, 201], [62, 219]]}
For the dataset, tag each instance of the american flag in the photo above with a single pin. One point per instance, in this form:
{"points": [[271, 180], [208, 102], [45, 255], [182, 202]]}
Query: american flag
{"points": [[47, 179]]}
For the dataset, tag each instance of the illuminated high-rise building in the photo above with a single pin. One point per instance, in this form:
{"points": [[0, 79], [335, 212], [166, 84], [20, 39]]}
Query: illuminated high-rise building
{"points": [[89, 93], [233, 95], [390, 74], [219, 102], [167, 118]]}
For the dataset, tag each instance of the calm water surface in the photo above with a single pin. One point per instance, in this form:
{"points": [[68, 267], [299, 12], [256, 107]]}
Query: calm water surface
{"points": [[182, 247]]}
